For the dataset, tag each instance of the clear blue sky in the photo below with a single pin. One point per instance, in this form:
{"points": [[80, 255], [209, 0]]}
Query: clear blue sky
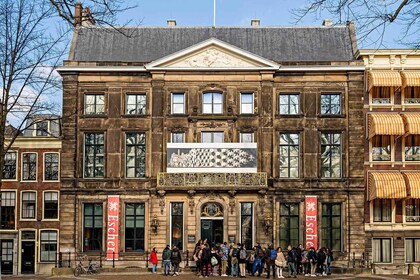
{"points": [[229, 13]]}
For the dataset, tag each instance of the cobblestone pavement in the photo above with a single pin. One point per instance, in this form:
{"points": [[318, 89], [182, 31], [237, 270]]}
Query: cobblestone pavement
{"points": [[185, 276]]}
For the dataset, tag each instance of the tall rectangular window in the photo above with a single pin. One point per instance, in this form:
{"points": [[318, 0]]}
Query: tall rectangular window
{"points": [[331, 155], [289, 155], [330, 104], [212, 137], [51, 163], [382, 210], [289, 224], [50, 205], [135, 104], [412, 148], [212, 103], [135, 155], [29, 166], [9, 169], [8, 204], [412, 210], [412, 250], [381, 148], [178, 103], [246, 137], [48, 245], [94, 155], [247, 224], [381, 248], [28, 205], [177, 224], [92, 227], [331, 226], [177, 137], [247, 103], [134, 227], [289, 104], [94, 104], [42, 128]]}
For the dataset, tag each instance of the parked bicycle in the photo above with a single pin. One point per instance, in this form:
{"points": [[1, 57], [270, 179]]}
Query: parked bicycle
{"points": [[91, 268]]}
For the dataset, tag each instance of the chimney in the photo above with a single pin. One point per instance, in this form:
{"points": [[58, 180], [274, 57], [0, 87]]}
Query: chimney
{"points": [[78, 14], [327, 22], [255, 22], [87, 18], [171, 22]]}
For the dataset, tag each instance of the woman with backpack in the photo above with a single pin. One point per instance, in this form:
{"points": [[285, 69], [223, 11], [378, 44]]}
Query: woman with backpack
{"points": [[280, 262], [270, 258], [234, 260], [242, 261], [214, 261]]}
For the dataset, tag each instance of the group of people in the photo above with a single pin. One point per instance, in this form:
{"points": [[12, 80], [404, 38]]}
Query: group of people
{"points": [[235, 261]]}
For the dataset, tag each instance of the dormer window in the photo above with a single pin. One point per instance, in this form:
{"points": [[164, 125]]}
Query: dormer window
{"points": [[42, 128]]}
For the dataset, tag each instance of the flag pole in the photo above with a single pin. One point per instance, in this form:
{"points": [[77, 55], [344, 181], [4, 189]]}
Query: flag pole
{"points": [[214, 13]]}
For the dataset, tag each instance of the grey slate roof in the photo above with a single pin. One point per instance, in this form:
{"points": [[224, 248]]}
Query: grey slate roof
{"points": [[279, 44]]}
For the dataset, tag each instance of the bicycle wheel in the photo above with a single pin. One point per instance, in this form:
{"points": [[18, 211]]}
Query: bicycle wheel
{"points": [[77, 271]]}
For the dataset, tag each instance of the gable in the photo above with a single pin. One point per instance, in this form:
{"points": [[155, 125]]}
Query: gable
{"points": [[212, 54]]}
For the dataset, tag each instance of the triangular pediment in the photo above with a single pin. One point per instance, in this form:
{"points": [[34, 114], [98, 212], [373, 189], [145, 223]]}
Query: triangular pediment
{"points": [[212, 54]]}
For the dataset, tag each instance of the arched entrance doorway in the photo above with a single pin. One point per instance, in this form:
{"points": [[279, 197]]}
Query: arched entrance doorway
{"points": [[212, 223]]}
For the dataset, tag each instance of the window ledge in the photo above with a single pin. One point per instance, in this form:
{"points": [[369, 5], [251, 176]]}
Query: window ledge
{"points": [[247, 115], [291, 116], [50, 220], [51, 181], [130, 116], [177, 115], [94, 116], [332, 116], [211, 117], [29, 181], [27, 220]]}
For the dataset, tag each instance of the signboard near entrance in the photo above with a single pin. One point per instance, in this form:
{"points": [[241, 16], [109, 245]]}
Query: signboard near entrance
{"points": [[311, 222], [191, 238], [112, 227], [211, 157]]}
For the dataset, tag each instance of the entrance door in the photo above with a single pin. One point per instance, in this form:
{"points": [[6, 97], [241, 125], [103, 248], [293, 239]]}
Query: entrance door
{"points": [[6, 257], [28, 257], [212, 230]]}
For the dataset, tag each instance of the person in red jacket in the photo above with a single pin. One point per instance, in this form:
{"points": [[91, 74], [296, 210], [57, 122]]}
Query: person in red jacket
{"points": [[153, 259]]}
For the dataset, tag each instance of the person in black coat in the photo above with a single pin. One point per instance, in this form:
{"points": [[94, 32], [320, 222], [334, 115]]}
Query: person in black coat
{"points": [[205, 260], [176, 259]]}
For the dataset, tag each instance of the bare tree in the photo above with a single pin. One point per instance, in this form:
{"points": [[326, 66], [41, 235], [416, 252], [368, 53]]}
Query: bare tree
{"points": [[373, 18]]}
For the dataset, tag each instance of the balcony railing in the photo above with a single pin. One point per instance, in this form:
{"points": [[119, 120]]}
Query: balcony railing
{"points": [[412, 218], [258, 179], [381, 100], [412, 100]]}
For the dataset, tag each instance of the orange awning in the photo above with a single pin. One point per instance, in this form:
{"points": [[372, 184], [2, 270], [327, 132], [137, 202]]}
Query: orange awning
{"points": [[384, 79], [385, 124], [411, 122], [413, 183], [410, 78], [386, 185]]}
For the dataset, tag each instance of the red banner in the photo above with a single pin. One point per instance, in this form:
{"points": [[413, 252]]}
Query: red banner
{"points": [[112, 227], [311, 222]]}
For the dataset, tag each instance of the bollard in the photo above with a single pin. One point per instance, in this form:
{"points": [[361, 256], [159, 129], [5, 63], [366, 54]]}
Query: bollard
{"points": [[69, 259], [147, 259], [100, 259], [113, 259], [186, 263], [354, 260], [56, 260], [367, 260]]}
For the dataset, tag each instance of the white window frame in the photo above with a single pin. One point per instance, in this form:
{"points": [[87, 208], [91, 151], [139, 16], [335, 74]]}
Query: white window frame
{"points": [[405, 250], [253, 103], [172, 103], [242, 133], [21, 206], [16, 166], [43, 167], [391, 249], [392, 142], [84, 104], [43, 205], [173, 133], [127, 94], [36, 167], [34, 132], [16, 206], [20, 248], [392, 214], [84, 154], [212, 103], [212, 136], [58, 245]]}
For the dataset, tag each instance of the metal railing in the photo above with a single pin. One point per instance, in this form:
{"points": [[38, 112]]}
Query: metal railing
{"points": [[363, 262]]}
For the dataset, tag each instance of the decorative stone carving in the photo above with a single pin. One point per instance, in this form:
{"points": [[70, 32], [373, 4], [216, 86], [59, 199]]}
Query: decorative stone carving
{"points": [[232, 201], [191, 202], [263, 200], [213, 58], [161, 194]]}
